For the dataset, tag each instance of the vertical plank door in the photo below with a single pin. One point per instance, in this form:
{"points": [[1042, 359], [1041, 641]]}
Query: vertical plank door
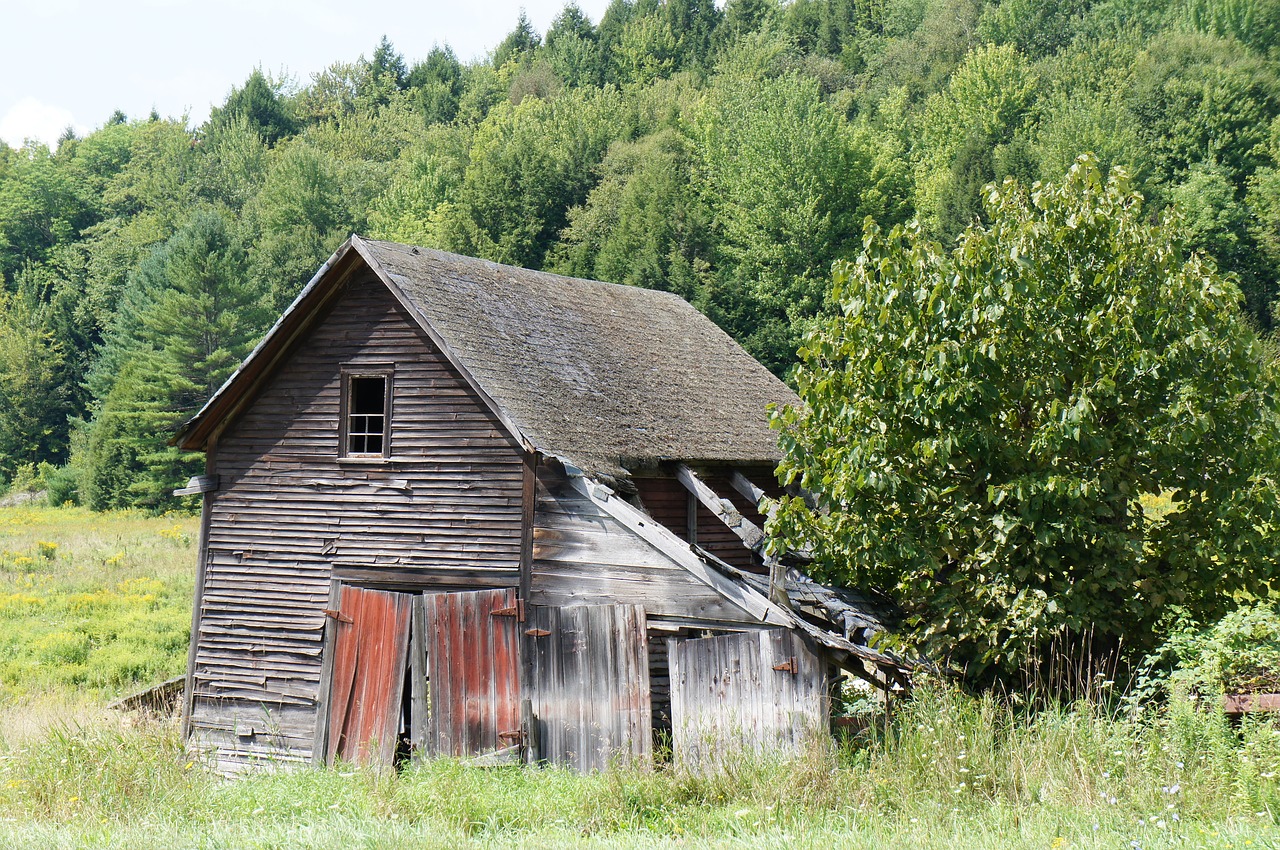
{"points": [[470, 651], [589, 677], [367, 686], [751, 692]]}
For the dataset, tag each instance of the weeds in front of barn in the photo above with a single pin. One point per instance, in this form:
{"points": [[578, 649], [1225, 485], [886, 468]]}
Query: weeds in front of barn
{"points": [[951, 770]]}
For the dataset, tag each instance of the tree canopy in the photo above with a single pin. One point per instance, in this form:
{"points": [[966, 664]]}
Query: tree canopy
{"points": [[727, 152], [1061, 429]]}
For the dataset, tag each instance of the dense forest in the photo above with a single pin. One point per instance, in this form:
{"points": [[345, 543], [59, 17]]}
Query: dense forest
{"points": [[727, 154]]}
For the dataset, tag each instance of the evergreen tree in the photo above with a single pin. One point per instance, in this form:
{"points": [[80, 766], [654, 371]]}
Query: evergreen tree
{"points": [[386, 62], [187, 319], [519, 42], [258, 102], [436, 83], [33, 396]]}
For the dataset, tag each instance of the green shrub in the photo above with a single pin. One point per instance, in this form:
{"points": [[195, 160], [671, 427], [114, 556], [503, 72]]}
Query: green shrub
{"points": [[62, 486], [1238, 654]]}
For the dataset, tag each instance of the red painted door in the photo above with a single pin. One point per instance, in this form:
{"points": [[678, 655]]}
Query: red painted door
{"points": [[472, 662], [370, 653]]}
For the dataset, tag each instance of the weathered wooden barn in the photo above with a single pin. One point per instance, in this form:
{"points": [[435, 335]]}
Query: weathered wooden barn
{"points": [[454, 507]]}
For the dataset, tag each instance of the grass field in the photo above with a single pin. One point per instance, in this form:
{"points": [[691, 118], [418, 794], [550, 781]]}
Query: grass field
{"points": [[95, 604]]}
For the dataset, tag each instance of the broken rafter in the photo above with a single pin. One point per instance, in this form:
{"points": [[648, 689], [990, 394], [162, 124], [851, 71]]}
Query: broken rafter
{"points": [[746, 530], [767, 506], [666, 542], [750, 491], [855, 657]]}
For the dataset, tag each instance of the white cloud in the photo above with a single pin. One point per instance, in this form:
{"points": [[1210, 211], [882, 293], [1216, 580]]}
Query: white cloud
{"points": [[31, 119]]}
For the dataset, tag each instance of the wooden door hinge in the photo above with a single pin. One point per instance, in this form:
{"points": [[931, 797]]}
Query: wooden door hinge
{"points": [[537, 632], [337, 615]]}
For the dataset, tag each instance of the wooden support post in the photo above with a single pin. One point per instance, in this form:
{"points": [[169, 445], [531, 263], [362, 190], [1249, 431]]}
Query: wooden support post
{"points": [[529, 725]]}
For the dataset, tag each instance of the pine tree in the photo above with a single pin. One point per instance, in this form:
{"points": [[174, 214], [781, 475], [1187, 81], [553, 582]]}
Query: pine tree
{"points": [[188, 317]]}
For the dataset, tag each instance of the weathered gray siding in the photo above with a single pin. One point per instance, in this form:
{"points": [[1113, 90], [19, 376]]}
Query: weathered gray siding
{"points": [[764, 691], [582, 556], [443, 512]]}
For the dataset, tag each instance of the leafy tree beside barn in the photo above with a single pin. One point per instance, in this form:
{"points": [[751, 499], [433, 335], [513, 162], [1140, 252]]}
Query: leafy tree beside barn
{"points": [[982, 426]]}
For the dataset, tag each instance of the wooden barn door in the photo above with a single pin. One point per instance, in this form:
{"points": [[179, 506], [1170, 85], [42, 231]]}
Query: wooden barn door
{"points": [[466, 674], [589, 682], [752, 691], [367, 682]]}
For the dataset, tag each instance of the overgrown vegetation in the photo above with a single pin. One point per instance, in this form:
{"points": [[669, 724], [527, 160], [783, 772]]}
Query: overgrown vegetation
{"points": [[1239, 654], [979, 427], [91, 605], [949, 770]]}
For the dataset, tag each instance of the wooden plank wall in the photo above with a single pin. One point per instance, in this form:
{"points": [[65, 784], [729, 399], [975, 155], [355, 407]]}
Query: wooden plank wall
{"points": [[729, 697], [589, 684], [443, 512], [582, 556]]}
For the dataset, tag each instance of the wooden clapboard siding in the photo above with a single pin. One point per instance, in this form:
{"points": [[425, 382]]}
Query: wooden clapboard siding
{"points": [[237, 732], [443, 511], [660, 682], [667, 501], [582, 556]]}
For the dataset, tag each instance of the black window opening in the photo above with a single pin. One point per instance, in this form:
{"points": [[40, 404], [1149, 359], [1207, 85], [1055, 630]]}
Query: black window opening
{"points": [[366, 415]]}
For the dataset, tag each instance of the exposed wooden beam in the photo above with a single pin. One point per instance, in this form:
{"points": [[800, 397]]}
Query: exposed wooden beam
{"points": [[665, 541], [750, 491], [746, 530], [767, 506]]}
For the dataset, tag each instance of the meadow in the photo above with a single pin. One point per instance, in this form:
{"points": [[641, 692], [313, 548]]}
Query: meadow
{"points": [[95, 605]]}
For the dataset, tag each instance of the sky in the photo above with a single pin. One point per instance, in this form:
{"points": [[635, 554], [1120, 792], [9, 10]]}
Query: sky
{"points": [[74, 62]]}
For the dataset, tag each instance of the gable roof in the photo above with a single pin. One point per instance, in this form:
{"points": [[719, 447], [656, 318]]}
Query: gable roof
{"points": [[603, 375]]}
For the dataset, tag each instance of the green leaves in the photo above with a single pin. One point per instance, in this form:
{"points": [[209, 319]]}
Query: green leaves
{"points": [[980, 427]]}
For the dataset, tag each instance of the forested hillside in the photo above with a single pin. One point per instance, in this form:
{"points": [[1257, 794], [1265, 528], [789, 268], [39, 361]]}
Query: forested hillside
{"points": [[730, 155]]}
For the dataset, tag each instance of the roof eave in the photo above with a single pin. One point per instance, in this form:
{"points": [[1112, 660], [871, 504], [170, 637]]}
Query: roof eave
{"points": [[195, 433]]}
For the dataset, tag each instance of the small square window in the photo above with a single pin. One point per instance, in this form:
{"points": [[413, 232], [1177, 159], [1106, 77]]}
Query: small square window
{"points": [[367, 404]]}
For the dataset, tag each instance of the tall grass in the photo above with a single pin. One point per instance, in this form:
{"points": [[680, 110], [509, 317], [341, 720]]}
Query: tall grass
{"points": [[949, 770]]}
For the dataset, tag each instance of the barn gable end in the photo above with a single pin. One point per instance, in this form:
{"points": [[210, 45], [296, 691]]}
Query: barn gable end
{"points": [[443, 511]]}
